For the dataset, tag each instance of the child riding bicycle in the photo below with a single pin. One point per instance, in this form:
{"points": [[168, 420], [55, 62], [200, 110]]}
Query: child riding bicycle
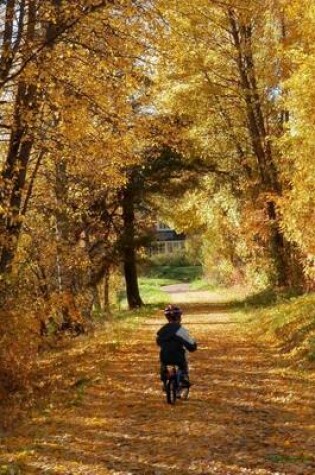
{"points": [[174, 340]]}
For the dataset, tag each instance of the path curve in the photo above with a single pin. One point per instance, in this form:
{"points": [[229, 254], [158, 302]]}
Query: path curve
{"points": [[182, 293]]}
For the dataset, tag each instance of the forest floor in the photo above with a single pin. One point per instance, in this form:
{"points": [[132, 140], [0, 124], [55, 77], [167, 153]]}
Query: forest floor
{"points": [[247, 413]]}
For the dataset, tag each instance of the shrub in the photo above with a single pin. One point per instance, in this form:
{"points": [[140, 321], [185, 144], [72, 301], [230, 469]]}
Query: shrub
{"points": [[178, 259], [18, 349], [180, 273]]}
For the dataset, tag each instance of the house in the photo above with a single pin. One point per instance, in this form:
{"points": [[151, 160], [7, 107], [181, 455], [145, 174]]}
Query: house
{"points": [[167, 241]]}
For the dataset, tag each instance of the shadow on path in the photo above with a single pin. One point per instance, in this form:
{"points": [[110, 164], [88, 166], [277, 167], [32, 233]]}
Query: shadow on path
{"points": [[244, 416]]}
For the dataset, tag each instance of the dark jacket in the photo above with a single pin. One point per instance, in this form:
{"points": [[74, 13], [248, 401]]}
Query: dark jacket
{"points": [[173, 340]]}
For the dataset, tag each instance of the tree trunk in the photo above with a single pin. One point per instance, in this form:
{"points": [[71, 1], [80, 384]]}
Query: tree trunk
{"points": [[287, 259], [106, 305], [14, 176], [280, 248], [129, 251], [21, 142]]}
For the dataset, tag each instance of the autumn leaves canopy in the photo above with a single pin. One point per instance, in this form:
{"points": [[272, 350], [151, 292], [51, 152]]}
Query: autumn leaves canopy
{"points": [[93, 92]]}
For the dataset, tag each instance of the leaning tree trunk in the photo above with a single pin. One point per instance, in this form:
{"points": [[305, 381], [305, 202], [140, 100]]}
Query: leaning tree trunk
{"points": [[287, 267], [13, 180], [14, 177], [13, 174], [129, 251]]}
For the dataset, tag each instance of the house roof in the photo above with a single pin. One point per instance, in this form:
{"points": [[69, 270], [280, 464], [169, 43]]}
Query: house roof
{"points": [[169, 235]]}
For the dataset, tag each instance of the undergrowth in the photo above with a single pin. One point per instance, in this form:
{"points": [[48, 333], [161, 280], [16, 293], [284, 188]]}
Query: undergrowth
{"points": [[64, 359], [178, 273]]}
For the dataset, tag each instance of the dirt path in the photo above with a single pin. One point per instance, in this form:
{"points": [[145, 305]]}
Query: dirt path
{"points": [[245, 415]]}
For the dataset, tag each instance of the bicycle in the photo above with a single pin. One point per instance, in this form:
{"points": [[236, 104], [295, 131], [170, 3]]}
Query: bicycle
{"points": [[175, 387]]}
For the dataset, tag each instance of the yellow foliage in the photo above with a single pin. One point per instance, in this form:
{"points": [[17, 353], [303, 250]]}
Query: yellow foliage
{"points": [[298, 144], [18, 349]]}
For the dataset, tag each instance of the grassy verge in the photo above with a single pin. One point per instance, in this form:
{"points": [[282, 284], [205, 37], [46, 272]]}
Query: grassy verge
{"points": [[150, 291], [150, 287], [287, 322], [201, 284]]}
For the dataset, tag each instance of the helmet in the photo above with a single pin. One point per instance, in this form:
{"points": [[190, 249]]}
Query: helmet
{"points": [[172, 313]]}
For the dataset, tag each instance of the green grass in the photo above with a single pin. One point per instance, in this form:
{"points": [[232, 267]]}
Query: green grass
{"points": [[284, 458], [201, 284], [150, 292], [158, 276], [150, 289], [11, 469]]}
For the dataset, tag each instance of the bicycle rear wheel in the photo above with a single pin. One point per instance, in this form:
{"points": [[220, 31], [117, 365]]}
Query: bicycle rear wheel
{"points": [[184, 393], [171, 391]]}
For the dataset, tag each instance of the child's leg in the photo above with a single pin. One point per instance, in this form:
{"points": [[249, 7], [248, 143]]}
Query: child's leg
{"points": [[163, 373], [185, 373]]}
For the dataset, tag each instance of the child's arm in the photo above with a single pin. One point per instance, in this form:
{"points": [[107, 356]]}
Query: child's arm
{"points": [[159, 338], [189, 343]]}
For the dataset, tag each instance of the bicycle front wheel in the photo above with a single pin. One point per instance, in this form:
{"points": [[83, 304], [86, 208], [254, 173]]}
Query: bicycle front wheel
{"points": [[171, 391]]}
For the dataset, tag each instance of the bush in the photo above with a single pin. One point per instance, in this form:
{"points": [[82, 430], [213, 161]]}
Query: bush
{"points": [[18, 350], [178, 259], [181, 273]]}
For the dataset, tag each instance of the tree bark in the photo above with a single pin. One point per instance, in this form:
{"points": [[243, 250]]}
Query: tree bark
{"points": [[129, 251], [106, 306], [14, 176]]}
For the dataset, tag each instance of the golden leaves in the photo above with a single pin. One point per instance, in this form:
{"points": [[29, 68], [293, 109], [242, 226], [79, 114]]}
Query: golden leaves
{"points": [[246, 414], [298, 142]]}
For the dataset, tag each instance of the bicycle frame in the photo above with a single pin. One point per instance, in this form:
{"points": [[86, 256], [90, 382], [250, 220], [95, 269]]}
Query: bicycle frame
{"points": [[174, 388]]}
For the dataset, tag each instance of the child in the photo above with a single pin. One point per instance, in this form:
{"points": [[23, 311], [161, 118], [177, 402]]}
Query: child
{"points": [[174, 340]]}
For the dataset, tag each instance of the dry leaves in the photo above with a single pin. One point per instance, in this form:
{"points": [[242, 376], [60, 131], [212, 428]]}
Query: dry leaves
{"points": [[245, 415]]}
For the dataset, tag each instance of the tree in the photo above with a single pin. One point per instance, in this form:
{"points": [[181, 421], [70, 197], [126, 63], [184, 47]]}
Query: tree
{"points": [[164, 172], [69, 87], [297, 143], [224, 78]]}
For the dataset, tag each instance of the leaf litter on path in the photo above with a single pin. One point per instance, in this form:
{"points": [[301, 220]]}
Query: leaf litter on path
{"points": [[245, 415]]}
